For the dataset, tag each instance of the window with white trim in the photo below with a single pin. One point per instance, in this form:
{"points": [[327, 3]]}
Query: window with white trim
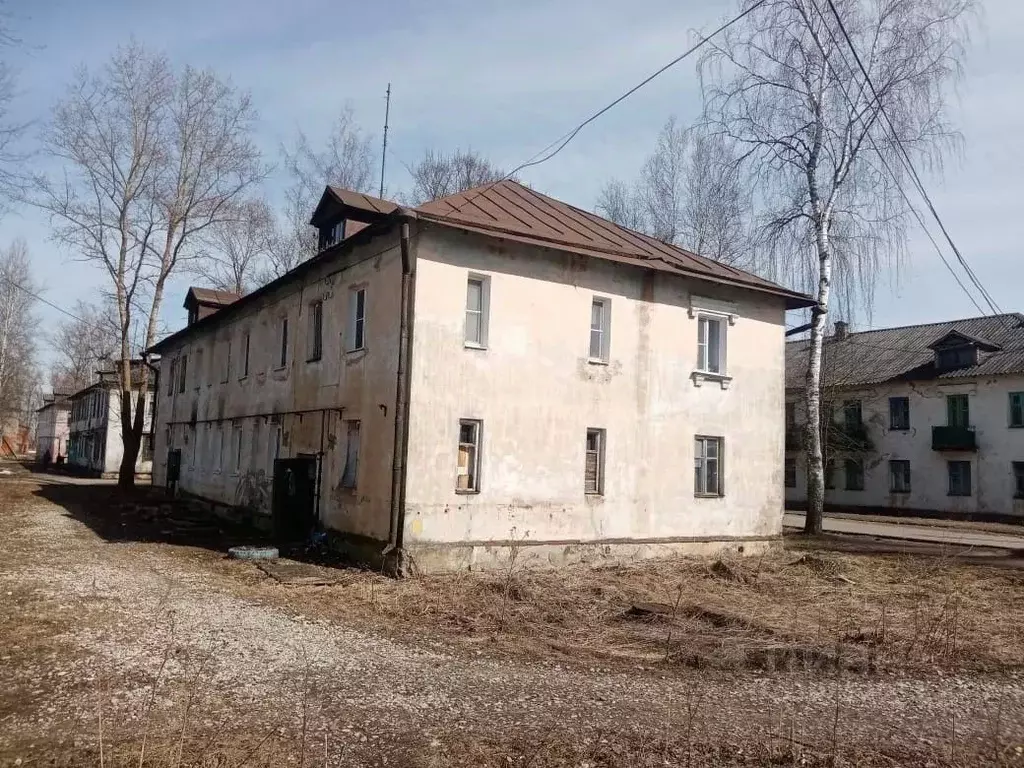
{"points": [[478, 299], [707, 466], [350, 474], [356, 319], [711, 343], [600, 329], [468, 470], [593, 468]]}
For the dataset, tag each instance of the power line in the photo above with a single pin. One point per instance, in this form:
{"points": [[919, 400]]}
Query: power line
{"points": [[885, 164], [560, 143], [905, 156]]}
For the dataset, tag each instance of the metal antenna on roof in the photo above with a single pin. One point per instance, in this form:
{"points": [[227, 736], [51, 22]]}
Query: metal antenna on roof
{"points": [[384, 150]]}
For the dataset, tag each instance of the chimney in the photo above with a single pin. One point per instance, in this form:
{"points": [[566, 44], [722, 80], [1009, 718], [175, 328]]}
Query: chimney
{"points": [[842, 330]]}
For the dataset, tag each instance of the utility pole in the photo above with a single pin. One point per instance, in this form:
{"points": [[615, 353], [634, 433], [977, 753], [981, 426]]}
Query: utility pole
{"points": [[384, 150]]}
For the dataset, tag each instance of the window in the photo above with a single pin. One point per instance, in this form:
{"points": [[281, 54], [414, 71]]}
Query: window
{"points": [[957, 357], [315, 339], [855, 474], [350, 475], [899, 413], [194, 434], [790, 416], [851, 414], [172, 369], [830, 475], [357, 319], [236, 448], [593, 469], [1017, 409], [1018, 479], [217, 447], [600, 328], [199, 368], [273, 446], [707, 475], [282, 359], [959, 478], [957, 411], [226, 369], [468, 476], [332, 234], [899, 476], [146, 448], [710, 344], [244, 357], [182, 371], [477, 310], [790, 472], [255, 447]]}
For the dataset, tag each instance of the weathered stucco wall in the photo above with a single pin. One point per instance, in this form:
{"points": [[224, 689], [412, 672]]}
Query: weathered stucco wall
{"points": [[53, 431], [991, 465], [304, 403], [537, 394]]}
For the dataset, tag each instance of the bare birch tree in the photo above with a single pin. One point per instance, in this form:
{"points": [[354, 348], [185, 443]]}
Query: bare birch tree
{"points": [[346, 160], [17, 332], [237, 249], [152, 158], [689, 193], [783, 89], [438, 175]]}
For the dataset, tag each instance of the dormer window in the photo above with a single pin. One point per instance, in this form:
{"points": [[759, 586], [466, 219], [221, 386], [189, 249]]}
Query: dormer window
{"points": [[956, 357], [332, 234], [960, 350]]}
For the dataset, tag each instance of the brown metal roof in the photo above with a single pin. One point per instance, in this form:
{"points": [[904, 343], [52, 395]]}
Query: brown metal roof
{"points": [[907, 354], [211, 296], [511, 210]]}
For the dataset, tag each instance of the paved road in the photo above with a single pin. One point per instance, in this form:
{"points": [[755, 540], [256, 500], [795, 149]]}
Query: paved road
{"points": [[932, 534]]}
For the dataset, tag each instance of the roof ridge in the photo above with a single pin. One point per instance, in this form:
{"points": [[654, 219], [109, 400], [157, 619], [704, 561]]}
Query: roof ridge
{"points": [[1018, 315]]}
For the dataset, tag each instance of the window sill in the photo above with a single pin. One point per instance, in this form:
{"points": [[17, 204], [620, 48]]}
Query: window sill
{"points": [[470, 492], [316, 359], [596, 361], [899, 429], [709, 495], [355, 355], [1016, 426], [699, 377], [472, 345], [899, 493], [960, 495], [280, 368], [591, 494]]}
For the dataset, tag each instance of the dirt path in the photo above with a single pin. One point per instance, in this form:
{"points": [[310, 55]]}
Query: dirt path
{"points": [[90, 629]]}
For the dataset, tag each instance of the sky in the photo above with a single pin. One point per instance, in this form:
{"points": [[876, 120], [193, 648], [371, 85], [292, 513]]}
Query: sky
{"points": [[506, 79]]}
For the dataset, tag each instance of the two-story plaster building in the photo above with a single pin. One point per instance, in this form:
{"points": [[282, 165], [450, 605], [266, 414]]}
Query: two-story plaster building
{"points": [[923, 417], [488, 371], [95, 445]]}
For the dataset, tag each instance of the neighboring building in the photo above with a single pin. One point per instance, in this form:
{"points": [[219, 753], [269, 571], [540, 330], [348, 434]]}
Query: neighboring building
{"points": [[924, 417], [551, 381], [94, 443], [52, 428]]}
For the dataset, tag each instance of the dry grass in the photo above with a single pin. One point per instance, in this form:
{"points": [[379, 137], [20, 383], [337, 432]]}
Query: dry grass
{"points": [[785, 610]]}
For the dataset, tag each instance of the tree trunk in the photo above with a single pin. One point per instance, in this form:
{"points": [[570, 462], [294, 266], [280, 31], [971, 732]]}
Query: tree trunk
{"points": [[812, 386], [129, 441]]}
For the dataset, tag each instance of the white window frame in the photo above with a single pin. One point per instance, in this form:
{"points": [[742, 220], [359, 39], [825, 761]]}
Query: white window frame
{"points": [[701, 461], [472, 471], [356, 333], [315, 332], [599, 454], [350, 469], [603, 305], [483, 314], [705, 320]]}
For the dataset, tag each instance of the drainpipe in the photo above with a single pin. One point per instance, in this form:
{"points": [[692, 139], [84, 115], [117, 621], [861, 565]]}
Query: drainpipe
{"points": [[402, 384]]}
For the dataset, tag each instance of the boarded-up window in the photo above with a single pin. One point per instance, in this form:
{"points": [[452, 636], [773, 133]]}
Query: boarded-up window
{"points": [[350, 475], [468, 479], [593, 472], [707, 466]]}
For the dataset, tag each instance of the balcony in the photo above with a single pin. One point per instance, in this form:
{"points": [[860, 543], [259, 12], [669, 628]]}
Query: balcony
{"points": [[954, 439], [849, 438]]}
